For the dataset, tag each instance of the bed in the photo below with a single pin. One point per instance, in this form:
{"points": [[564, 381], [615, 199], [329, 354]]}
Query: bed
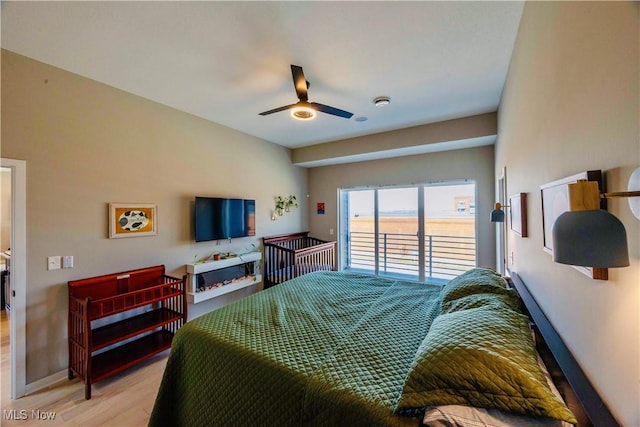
{"points": [[287, 256], [332, 349]]}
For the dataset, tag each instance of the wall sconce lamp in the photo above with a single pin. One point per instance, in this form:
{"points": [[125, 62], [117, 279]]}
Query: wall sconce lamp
{"points": [[497, 214], [588, 236]]}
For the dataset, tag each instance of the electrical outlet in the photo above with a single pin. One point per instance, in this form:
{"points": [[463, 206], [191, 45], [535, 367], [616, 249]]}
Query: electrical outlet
{"points": [[53, 263]]}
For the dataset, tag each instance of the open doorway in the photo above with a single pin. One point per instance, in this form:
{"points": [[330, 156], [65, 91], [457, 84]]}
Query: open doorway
{"points": [[5, 271], [15, 171]]}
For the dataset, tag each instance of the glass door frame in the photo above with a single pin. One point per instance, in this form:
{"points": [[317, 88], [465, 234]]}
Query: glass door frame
{"points": [[344, 221]]}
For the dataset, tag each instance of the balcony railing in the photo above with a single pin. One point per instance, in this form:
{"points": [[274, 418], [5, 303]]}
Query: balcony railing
{"points": [[445, 256]]}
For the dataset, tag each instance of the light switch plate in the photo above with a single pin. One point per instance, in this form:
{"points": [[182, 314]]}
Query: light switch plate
{"points": [[53, 263]]}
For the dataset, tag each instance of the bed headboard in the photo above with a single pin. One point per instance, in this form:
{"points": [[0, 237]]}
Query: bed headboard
{"points": [[568, 376]]}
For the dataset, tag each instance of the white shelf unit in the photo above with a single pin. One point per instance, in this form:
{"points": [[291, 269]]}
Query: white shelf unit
{"points": [[193, 270]]}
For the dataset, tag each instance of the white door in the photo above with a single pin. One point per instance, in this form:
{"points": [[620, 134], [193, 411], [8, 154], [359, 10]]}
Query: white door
{"points": [[18, 274]]}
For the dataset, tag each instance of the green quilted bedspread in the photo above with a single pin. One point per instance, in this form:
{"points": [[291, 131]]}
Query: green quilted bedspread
{"points": [[324, 349]]}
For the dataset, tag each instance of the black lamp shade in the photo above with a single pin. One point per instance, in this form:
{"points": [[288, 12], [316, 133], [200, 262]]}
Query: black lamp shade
{"points": [[593, 238], [497, 215]]}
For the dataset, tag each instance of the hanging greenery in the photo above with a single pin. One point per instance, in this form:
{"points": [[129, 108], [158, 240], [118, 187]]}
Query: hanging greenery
{"points": [[284, 204]]}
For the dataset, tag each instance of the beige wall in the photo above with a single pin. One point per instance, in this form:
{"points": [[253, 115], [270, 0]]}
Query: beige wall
{"points": [[570, 104], [474, 163], [87, 144], [482, 127]]}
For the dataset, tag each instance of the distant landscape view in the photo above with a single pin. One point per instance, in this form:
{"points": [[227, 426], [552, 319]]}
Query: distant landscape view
{"points": [[403, 225]]}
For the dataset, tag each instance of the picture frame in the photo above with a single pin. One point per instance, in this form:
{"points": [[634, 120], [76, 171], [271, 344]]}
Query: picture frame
{"points": [[518, 214], [132, 220], [555, 201]]}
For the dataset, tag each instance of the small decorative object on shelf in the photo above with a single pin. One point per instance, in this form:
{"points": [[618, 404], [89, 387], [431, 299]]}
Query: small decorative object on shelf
{"points": [[283, 204]]}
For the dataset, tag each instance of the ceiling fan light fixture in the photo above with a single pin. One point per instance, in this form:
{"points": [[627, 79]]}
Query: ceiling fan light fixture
{"points": [[381, 101], [303, 109], [303, 113]]}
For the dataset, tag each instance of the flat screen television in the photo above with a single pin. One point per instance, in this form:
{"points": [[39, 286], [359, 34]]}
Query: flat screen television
{"points": [[223, 218]]}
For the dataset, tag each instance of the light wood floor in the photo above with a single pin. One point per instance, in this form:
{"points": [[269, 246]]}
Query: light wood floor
{"points": [[124, 400]]}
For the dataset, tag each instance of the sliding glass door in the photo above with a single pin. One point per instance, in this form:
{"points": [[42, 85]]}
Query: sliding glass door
{"points": [[450, 229], [398, 242], [415, 232]]}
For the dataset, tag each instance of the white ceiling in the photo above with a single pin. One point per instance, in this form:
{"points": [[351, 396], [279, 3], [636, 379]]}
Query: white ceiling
{"points": [[229, 61]]}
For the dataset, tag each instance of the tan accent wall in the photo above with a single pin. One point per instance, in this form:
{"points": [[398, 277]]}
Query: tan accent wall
{"points": [[482, 125], [87, 144], [570, 104]]}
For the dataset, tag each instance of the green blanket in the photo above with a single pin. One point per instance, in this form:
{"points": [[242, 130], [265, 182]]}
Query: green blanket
{"points": [[326, 348]]}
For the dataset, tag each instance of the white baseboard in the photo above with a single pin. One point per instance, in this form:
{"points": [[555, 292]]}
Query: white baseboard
{"points": [[47, 381]]}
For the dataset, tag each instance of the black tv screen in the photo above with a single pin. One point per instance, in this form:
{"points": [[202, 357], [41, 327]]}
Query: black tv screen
{"points": [[222, 218]]}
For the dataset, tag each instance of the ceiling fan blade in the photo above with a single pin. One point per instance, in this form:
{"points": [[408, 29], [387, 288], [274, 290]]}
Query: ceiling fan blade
{"points": [[275, 110], [331, 110], [299, 82]]}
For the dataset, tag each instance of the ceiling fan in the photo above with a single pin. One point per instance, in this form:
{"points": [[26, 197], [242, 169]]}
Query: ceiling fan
{"points": [[303, 109]]}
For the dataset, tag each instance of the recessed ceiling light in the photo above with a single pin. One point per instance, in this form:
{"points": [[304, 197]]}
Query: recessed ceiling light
{"points": [[381, 101], [361, 119]]}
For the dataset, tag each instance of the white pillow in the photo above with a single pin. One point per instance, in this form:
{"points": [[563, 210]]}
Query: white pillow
{"points": [[467, 416]]}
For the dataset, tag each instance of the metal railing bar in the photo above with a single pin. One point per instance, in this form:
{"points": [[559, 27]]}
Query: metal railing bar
{"points": [[444, 255]]}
